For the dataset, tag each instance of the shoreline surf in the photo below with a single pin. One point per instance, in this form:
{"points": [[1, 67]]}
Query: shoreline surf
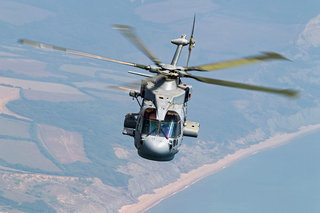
{"points": [[147, 201]]}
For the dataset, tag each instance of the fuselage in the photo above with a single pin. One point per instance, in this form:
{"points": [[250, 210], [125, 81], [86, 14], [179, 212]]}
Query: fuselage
{"points": [[160, 123]]}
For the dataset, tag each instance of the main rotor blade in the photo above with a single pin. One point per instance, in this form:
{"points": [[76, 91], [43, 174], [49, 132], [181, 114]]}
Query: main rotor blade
{"points": [[286, 92], [130, 34], [53, 47], [265, 56], [135, 86]]}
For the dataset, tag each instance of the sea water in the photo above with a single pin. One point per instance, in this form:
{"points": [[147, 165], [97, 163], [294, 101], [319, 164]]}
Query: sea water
{"points": [[282, 179]]}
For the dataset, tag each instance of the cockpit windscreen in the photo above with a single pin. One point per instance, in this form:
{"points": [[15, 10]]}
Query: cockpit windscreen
{"points": [[169, 128]]}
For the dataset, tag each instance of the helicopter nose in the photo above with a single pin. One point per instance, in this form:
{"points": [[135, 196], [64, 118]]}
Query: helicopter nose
{"points": [[155, 148], [156, 145]]}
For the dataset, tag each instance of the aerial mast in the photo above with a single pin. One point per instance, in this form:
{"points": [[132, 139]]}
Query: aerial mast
{"points": [[180, 42]]}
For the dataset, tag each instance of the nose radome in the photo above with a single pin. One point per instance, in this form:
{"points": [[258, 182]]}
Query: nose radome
{"points": [[156, 146]]}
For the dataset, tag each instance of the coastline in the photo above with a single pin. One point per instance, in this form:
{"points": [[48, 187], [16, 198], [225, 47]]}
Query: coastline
{"points": [[147, 201]]}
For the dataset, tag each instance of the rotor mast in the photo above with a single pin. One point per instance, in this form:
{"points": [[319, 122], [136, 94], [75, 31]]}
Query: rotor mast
{"points": [[180, 42]]}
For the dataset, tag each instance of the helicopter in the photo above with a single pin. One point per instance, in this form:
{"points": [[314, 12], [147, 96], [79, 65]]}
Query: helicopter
{"points": [[161, 123]]}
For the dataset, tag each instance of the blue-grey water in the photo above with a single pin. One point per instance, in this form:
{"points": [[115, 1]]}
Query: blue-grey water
{"points": [[283, 179]]}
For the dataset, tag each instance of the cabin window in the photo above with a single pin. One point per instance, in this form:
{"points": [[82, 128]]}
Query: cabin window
{"points": [[169, 128]]}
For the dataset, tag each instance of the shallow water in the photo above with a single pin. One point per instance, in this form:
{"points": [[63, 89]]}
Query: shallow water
{"points": [[283, 179]]}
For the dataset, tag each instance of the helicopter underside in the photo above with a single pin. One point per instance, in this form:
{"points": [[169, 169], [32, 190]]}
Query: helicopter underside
{"points": [[155, 157]]}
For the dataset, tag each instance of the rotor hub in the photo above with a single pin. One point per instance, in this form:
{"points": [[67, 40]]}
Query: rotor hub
{"points": [[168, 67]]}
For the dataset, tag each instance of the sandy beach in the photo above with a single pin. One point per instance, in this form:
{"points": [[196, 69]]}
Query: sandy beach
{"points": [[147, 201]]}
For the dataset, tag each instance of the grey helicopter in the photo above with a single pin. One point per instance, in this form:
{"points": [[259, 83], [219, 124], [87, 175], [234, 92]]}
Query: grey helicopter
{"points": [[161, 123]]}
